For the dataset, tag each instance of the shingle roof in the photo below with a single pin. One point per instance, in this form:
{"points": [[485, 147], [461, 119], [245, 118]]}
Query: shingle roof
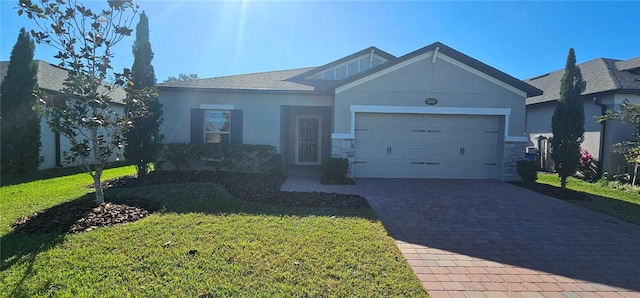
{"points": [[293, 80], [271, 80], [601, 75], [51, 77]]}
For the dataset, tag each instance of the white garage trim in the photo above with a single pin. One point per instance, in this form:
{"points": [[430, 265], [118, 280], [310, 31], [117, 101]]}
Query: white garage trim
{"points": [[428, 110], [205, 106]]}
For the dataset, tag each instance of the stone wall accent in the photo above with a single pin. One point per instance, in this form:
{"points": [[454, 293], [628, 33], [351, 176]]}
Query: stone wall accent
{"points": [[513, 151], [344, 148]]}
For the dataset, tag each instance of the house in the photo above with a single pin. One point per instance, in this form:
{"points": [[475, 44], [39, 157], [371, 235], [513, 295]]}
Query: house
{"points": [[432, 113], [609, 83], [50, 79]]}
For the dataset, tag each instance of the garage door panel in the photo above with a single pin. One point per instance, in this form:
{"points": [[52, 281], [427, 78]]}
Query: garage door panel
{"points": [[426, 146]]}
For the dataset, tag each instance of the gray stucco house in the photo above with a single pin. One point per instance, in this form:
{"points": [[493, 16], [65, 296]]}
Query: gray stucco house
{"points": [[609, 83], [50, 79], [432, 113]]}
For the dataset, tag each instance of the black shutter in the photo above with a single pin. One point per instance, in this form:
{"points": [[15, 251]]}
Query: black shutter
{"points": [[197, 126], [236, 126]]}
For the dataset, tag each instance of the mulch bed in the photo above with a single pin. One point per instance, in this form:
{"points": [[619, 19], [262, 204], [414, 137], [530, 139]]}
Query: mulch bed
{"points": [[249, 187], [337, 181], [553, 191], [83, 214]]}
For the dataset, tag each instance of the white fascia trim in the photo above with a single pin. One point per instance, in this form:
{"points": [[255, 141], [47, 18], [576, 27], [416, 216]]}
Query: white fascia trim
{"points": [[205, 106], [506, 112], [383, 72], [482, 75], [516, 139]]}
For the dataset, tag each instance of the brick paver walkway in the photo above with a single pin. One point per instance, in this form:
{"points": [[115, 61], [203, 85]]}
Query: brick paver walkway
{"points": [[466, 238]]}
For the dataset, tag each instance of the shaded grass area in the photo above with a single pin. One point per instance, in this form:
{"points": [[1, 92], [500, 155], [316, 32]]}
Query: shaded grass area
{"points": [[51, 173], [204, 242], [619, 203]]}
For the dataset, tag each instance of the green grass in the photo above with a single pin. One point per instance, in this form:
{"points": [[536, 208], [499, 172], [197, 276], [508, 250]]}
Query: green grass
{"points": [[620, 203], [243, 248]]}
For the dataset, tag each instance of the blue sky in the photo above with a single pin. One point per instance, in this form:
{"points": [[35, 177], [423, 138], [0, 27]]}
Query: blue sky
{"points": [[215, 38]]}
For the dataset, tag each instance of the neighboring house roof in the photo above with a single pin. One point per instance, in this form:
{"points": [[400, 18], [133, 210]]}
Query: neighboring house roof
{"points": [[601, 75], [294, 80], [51, 77]]}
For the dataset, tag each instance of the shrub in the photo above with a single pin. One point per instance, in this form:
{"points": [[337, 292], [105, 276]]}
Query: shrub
{"points": [[528, 170], [335, 168], [588, 167], [221, 157]]}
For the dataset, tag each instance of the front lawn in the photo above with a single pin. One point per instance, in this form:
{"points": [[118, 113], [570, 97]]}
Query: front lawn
{"points": [[620, 203], [204, 242]]}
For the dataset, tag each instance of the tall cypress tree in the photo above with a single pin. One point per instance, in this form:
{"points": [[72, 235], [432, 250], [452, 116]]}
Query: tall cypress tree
{"points": [[144, 136], [567, 123], [20, 124]]}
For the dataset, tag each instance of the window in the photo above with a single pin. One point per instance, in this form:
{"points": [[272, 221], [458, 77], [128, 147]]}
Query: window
{"points": [[217, 126]]}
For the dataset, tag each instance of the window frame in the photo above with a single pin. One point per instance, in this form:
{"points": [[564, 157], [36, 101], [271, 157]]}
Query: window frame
{"points": [[205, 133]]}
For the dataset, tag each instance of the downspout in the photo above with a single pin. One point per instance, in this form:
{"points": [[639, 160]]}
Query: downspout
{"points": [[603, 125], [57, 141]]}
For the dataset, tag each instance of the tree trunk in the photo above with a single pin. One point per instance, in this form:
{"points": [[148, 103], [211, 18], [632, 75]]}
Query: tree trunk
{"points": [[98, 186], [563, 182]]}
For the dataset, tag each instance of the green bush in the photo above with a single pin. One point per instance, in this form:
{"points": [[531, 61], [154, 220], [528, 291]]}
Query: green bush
{"points": [[528, 170], [335, 168], [221, 157]]}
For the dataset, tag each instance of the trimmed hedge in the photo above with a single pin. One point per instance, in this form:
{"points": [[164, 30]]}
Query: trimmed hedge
{"points": [[528, 170], [220, 157], [335, 168]]}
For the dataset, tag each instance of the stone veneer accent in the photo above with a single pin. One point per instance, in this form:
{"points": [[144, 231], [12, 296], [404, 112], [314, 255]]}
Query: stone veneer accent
{"points": [[344, 148], [513, 151]]}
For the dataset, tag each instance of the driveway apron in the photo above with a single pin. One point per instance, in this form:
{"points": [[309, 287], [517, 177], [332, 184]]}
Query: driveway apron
{"points": [[486, 238]]}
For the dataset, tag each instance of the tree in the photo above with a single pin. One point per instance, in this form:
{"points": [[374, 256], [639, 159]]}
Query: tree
{"points": [[630, 114], [83, 113], [567, 123], [20, 133], [144, 136], [182, 77]]}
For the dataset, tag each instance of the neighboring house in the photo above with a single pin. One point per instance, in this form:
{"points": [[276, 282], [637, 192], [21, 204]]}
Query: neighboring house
{"points": [[50, 79], [432, 113], [609, 83]]}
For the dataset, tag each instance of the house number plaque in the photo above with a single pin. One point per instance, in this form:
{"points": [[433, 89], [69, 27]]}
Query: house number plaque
{"points": [[431, 101]]}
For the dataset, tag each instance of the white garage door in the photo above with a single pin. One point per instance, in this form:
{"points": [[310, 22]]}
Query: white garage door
{"points": [[426, 146]]}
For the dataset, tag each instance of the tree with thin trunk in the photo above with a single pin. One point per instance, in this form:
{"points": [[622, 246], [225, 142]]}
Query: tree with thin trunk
{"points": [[84, 113], [567, 123], [20, 124], [143, 138], [629, 113]]}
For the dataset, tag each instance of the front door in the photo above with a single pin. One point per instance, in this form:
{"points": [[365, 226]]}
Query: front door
{"points": [[309, 131]]}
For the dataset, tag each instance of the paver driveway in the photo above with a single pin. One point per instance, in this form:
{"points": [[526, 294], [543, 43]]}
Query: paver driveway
{"points": [[480, 238]]}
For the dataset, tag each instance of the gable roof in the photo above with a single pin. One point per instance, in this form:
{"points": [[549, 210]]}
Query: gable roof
{"points": [[51, 77], [293, 80], [368, 50], [442, 48], [601, 75]]}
